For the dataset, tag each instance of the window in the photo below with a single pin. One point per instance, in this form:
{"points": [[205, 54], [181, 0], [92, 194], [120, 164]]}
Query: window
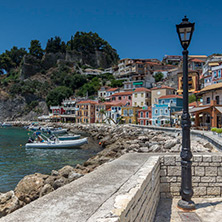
{"points": [[135, 95], [156, 111], [141, 103], [119, 97], [171, 101], [161, 111], [125, 112], [130, 121], [141, 114], [124, 97], [166, 111], [215, 74], [156, 100], [141, 94], [129, 97], [163, 102], [208, 100], [131, 112], [141, 122], [135, 103], [147, 122], [147, 114], [219, 73], [217, 100]]}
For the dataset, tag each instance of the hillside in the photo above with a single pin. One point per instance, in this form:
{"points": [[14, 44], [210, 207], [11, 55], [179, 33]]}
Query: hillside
{"points": [[32, 81]]}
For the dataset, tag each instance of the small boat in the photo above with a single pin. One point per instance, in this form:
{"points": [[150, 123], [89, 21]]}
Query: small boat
{"points": [[58, 131], [69, 137], [6, 124], [47, 143], [57, 144]]}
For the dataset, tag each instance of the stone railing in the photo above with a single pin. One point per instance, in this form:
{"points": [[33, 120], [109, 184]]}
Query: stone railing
{"points": [[206, 175]]}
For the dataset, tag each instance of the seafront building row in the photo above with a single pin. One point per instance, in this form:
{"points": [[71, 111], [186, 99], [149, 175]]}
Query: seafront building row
{"points": [[142, 101]]}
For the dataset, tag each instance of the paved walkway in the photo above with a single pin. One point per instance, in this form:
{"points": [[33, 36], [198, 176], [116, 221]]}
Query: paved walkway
{"points": [[207, 210]]}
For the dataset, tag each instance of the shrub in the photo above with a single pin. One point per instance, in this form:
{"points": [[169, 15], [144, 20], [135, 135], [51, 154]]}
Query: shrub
{"points": [[219, 130], [214, 129]]}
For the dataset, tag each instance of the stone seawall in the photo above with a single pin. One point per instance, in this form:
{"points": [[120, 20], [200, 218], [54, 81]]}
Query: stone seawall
{"points": [[206, 175]]}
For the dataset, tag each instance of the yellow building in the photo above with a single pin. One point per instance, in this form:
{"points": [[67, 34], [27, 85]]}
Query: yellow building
{"points": [[193, 82], [130, 114]]}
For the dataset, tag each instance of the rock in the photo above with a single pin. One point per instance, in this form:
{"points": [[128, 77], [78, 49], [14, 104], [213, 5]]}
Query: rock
{"points": [[176, 148], [73, 176], [143, 150], [45, 190], [155, 148], [64, 172], [51, 179], [134, 146], [54, 173], [60, 182], [29, 187], [8, 203], [208, 145], [171, 143], [143, 138]]}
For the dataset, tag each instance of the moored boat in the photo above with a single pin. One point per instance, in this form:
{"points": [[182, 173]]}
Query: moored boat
{"points": [[57, 144], [69, 137]]}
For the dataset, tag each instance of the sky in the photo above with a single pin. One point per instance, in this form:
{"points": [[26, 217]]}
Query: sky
{"points": [[136, 29]]}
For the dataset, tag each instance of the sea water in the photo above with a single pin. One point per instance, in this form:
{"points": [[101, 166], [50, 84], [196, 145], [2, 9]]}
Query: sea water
{"points": [[16, 161]]}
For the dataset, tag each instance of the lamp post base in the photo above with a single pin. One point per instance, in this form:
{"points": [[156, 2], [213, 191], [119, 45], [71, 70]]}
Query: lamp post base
{"points": [[185, 205]]}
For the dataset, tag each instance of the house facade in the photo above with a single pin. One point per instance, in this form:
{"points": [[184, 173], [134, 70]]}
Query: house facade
{"points": [[122, 97], [193, 82], [162, 113], [141, 97], [86, 111], [159, 91], [145, 116], [130, 114]]}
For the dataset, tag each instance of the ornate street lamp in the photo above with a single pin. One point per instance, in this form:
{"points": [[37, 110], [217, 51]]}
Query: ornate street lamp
{"points": [[185, 31]]}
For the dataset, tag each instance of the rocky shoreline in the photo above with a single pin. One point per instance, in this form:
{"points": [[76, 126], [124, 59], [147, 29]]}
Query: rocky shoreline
{"points": [[115, 140]]}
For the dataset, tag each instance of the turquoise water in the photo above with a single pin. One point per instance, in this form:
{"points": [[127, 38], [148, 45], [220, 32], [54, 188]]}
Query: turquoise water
{"points": [[16, 161]]}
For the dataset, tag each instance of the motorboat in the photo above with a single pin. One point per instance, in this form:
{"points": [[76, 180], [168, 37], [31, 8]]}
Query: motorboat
{"points": [[58, 131], [57, 144], [69, 137], [6, 124]]}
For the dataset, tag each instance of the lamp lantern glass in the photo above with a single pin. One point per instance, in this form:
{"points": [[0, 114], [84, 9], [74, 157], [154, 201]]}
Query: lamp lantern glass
{"points": [[185, 31]]}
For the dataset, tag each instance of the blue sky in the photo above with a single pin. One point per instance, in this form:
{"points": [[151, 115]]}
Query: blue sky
{"points": [[137, 29]]}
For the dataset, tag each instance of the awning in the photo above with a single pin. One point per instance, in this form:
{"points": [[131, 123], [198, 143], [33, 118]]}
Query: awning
{"points": [[138, 83], [219, 108], [196, 109]]}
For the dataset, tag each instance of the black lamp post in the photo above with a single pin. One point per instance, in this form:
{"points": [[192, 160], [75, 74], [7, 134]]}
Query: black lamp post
{"points": [[185, 31]]}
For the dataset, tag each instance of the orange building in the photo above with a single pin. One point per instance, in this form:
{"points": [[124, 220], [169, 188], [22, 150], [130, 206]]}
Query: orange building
{"points": [[193, 82], [85, 112]]}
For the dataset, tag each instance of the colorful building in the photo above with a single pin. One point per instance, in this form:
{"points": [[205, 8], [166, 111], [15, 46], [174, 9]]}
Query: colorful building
{"points": [[141, 97], [130, 114], [159, 91], [210, 113], [101, 111], [193, 82], [122, 97], [85, 112], [145, 116], [162, 113]]}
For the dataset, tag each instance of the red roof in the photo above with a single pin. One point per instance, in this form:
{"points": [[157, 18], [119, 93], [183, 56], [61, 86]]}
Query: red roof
{"points": [[87, 102], [197, 60], [171, 96], [112, 89], [162, 87], [142, 89], [122, 93], [195, 104]]}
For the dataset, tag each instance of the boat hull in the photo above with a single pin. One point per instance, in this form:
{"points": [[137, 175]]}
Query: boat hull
{"points": [[74, 137], [58, 145]]}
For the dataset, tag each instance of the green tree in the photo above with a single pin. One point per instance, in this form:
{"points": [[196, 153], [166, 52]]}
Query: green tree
{"points": [[6, 63], [57, 95], [35, 49], [55, 45], [158, 76], [116, 83], [16, 54], [192, 98]]}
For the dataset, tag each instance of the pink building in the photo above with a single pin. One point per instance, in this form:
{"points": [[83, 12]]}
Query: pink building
{"points": [[123, 97]]}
